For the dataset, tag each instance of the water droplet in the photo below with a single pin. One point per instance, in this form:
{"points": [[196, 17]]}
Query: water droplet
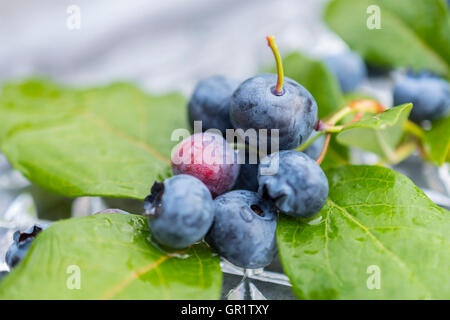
{"points": [[247, 214]]}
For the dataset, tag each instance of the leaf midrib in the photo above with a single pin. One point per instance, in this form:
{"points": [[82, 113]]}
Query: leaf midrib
{"points": [[122, 285]]}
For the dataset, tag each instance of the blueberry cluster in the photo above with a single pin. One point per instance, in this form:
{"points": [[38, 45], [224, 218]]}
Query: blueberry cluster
{"points": [[240, 224]]}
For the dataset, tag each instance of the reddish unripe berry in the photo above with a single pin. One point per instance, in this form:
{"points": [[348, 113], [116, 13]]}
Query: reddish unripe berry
{"points": [[209, 158]]}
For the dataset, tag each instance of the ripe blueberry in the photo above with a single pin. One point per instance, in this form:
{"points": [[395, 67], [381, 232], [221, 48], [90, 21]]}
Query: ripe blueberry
{"points": [[209, 158], [294, 182], [180, 211], [210, 103], [21, 243], [429, 95], [248, 173], [255, 105], [244, 229], [349, 69]]}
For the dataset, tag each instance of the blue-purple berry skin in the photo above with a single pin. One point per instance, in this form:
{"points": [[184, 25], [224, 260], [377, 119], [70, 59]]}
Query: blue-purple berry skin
{"points": [[180, 211], [298, 187], [254, 105], [248, 173], [247, 178], [210, 103], [430, 96], [349, 69], [244, 229]]}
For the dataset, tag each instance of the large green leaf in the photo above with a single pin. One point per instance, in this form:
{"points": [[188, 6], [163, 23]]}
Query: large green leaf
{"points": [[317, 79], [380, 133], [109, 141], [437, 141], [413, 33], [376, 222], [116, 260]]}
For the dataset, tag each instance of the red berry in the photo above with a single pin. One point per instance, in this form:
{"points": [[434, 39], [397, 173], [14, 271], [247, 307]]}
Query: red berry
{"points": [[209, 158]]}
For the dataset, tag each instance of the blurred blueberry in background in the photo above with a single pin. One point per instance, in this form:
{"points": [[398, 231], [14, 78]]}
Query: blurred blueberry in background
{"points": [[349, 68], [429, 94]]}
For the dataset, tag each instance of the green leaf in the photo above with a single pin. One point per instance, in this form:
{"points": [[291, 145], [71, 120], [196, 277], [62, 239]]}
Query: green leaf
{"points": [[380, 133], [437, 141], [376, 222], [110, 141], [116, 260], [413, 33], [317, 79]]}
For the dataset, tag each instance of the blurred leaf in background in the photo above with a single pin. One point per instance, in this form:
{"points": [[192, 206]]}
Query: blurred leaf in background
{"points": [[413, 33], [437, 141]]}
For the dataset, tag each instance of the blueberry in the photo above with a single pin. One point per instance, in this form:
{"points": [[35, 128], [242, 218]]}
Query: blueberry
{"points": [[210, 103], [314, 150], [294, 182], [244, 229], [255, 105], [180, 211], [429, 95], [248, 177], [376, 71], [349, 69], [209, 158], [248, 173], [21, 243]]}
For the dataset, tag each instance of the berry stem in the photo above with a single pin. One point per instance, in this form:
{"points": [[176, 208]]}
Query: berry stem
{"points": [[339, 115], [279, 86], [357, 107], [310, 141], [324, 149], [402, 152], [414, 130]]}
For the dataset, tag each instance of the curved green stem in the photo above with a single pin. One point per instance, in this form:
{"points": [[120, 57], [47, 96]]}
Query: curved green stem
{"points": [[310, 141], [339, 115], [402, 152], [333, 129], [279, 86], [414, 129]]}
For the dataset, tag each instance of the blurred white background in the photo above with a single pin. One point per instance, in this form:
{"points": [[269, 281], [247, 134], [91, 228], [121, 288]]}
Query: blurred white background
{"points": [[161, 45]]}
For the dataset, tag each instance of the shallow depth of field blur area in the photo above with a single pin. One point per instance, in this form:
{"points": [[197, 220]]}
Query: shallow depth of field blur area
{"points": [[161, 45]]}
